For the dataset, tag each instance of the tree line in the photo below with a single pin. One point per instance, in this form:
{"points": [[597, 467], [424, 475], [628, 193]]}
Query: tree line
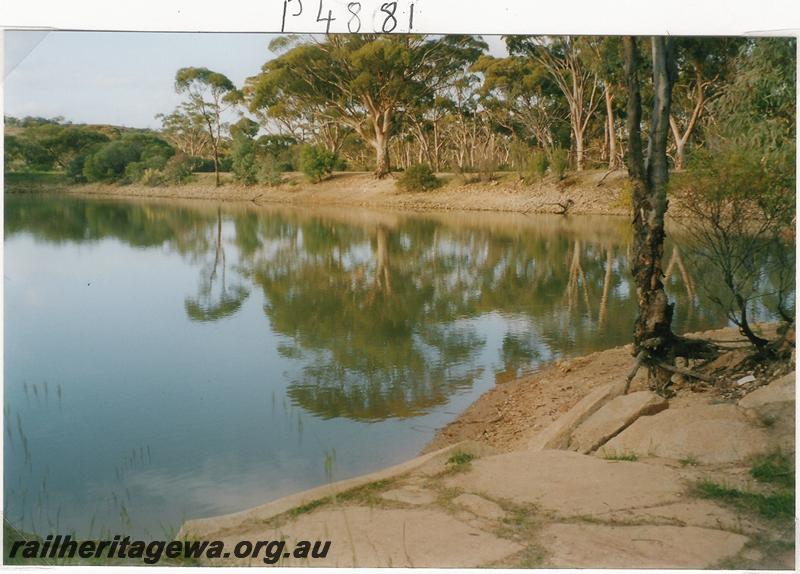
{"points": [[379, 102]]}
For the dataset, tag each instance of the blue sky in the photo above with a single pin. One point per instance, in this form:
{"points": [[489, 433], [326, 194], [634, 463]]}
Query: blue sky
{"points": [[121, 78]]}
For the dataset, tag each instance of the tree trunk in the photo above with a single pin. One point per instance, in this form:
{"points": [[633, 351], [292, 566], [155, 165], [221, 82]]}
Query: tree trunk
{"points": [[381, 157], [680, 146], [216, 167], [613, 162], [578, 148], [652, 330]]}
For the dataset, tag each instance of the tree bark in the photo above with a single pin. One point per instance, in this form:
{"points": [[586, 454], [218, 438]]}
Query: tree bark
{"points": [[652, 330], [613, 161], [578, 148]]}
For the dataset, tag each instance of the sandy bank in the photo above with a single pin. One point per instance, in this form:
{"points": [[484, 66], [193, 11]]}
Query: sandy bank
{"points": [[591, 192]]}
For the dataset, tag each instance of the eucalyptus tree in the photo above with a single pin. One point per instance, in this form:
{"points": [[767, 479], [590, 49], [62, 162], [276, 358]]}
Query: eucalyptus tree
{"points": [[210, 94], [564, 57], [654, 342], [185, 130], [521, 95], [704, 65], [361, 81], [605, 58]]}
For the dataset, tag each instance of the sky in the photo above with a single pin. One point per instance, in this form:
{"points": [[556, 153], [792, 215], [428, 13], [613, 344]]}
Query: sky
{"points": [[121, 78]]}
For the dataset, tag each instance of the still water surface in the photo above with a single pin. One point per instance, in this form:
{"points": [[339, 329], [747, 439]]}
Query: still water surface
{"points": [[166, 361]]}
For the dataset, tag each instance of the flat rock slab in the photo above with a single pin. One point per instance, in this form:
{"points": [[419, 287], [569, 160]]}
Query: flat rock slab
{"points": [[708, 433], [558, 433], [479, 506], [570, 484], [377, 538], [410, 495], [600, 546], [613, 417], [778, 391], [703, 513]]}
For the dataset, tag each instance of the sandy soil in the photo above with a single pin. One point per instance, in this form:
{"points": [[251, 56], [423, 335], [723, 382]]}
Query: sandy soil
{"points": [[509, 414], [591, 192]]}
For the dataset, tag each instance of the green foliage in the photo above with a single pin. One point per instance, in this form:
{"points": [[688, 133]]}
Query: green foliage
{"points": [[460, 458], [559, 162], [151, 177], [123, 160], [774, 506], [632, 457], [317, 162], [418, 177], [363, 78], [178, 169], [269, 171], [775, 468], [110, 161], [536, 167], [243, 160], [741, 196]]}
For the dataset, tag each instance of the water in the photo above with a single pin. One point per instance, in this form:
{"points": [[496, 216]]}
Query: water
{"points": [[166, 361]]}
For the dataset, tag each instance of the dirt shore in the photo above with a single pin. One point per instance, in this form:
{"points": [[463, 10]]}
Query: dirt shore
{"points": [[509, 414], [588, 192]]}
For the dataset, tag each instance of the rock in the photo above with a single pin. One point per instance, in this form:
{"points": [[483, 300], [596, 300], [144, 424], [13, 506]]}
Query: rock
{"points": [[730, 360], [479, 506], [409, 495], [746, 379], [779, 390], [613, 417], [601, 546], [558, 433], [570, 484], [708, 433], [702, 513], [374, 537]]}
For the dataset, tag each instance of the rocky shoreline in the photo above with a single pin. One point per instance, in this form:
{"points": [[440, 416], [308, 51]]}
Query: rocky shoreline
{"points": [[560, 469]]}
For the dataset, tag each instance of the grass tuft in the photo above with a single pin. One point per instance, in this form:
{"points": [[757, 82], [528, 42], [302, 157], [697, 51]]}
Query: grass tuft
{"points": [[772, 506], [460, 458], [624, 457], [775, 468]]}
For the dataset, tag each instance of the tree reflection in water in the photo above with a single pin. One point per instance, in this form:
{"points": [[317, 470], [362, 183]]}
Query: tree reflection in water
{"points": [[387, 313]]}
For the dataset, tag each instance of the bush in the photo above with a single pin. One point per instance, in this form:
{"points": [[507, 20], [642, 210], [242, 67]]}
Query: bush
{"points": [[177, 169], [125, 159], [135, 170], [243, 160], [536, 167], [152, 177], [270, 172], [418, 177], [559, 162], [316, 162], [110, 161]]}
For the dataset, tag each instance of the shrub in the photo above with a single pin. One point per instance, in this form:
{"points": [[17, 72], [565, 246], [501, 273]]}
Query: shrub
{"points": [[487, 165], [135, 170], [559, 162], [243, 160], [152, 177], [110, 161], [177, 169], [270, 172], [317, 162], [536, 167], [418, 177]]}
